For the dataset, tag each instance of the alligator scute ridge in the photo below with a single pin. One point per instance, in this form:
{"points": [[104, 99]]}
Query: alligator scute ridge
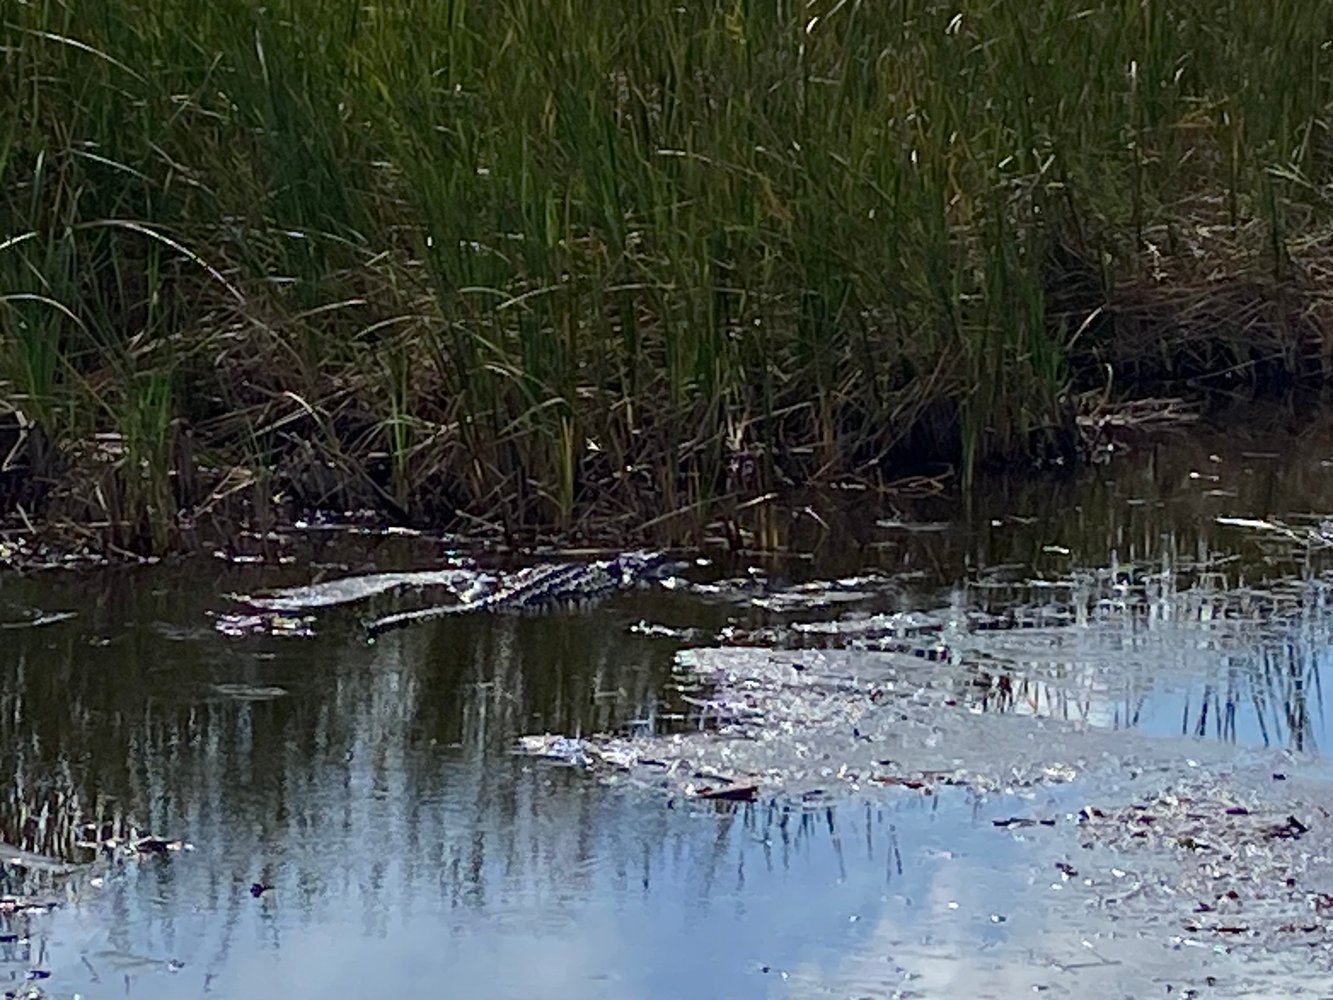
{"points": [[546, 585]]}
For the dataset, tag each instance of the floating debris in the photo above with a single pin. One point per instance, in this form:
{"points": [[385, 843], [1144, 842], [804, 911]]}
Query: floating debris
{"points": [[266, 623], [1021, 821], [656, 631], [38, 619], [743, 792], [158, 845], [1319, 536], [30, 861], [128, 962], [29, 904], [1191, 849], [249, 692], [565, 749], [757, 590], [899, 524]]}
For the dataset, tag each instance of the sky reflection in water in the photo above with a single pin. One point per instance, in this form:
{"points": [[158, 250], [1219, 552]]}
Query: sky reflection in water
{"points": [[410, 854]]}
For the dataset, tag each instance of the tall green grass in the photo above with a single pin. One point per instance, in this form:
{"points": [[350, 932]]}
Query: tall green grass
{"points": [[537, 262]]}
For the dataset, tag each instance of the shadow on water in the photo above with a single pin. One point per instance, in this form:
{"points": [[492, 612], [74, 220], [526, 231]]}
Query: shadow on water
{"points": [[359, 824]]}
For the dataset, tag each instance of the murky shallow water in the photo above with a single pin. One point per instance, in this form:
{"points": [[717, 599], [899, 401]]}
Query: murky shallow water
{"points": [[411, 853]]}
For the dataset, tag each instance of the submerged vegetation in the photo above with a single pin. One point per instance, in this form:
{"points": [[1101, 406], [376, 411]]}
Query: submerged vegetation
{"points": [[548, 265]]}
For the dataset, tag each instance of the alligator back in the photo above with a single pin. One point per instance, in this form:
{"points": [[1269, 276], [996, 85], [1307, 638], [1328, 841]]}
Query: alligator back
{"points": [[545, 586]]}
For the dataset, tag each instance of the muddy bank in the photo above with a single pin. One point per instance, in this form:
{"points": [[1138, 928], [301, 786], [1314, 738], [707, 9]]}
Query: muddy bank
{"points": [[87, 507], [837, 517]]}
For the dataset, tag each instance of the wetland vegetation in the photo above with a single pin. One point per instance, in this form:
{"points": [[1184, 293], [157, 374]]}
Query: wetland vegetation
{"points": [[609, 270]]}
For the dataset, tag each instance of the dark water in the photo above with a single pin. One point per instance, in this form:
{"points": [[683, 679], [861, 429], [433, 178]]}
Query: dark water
{"points": [[410, 853]]}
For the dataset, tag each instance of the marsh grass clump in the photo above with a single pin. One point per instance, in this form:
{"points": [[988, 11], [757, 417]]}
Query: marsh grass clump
{"points": [[541, 266]]}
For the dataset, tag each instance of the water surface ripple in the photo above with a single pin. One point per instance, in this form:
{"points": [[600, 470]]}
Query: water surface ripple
{"points": [[360, 824]]}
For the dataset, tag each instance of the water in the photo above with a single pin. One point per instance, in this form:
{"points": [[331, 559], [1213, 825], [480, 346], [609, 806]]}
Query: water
{"points": [[410, 852]]}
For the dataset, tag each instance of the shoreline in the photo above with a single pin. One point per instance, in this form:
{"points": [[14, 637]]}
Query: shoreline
{"points": [[320, 259]]}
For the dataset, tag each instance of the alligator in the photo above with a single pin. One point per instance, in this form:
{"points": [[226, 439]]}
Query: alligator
{"points": [[544, 586]]}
